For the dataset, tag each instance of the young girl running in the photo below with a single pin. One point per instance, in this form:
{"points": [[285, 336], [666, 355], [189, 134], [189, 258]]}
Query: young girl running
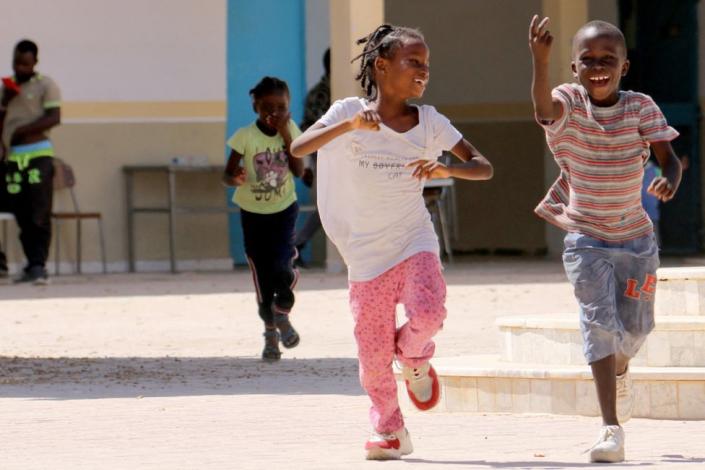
{"points": [[268, 207], [373, 155]]}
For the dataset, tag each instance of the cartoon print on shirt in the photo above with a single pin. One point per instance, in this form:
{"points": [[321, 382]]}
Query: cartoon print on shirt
{"points": [[271, 169]]}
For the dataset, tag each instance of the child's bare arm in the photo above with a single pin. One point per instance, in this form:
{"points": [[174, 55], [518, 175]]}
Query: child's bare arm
{"points": [[319, 135], [234, 174], [474, 167], [546, 107], [665, 187]]}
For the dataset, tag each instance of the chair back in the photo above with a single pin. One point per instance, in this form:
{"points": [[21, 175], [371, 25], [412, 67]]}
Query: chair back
{"points": [[64, 178], [63, 175]]}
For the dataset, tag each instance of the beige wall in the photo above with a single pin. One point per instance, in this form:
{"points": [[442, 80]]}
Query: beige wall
{"points": [[481, 75], [97, 153], [142, 82], [498, 214], [478, 48], [480, 79]]}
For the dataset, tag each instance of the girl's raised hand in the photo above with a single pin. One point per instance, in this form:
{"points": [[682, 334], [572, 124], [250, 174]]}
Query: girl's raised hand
{"points": [[429, 169], [366, 119], [280, 122], [540, 39]]}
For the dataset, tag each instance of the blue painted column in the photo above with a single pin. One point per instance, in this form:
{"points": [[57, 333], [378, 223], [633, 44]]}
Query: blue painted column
{"points": [[264, 37]]}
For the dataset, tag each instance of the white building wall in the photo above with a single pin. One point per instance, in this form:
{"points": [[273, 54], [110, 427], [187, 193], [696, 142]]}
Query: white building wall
{"points": [[126, 50], [317, 38]]}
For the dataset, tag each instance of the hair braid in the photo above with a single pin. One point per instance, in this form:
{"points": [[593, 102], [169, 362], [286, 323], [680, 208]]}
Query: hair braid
{"points": [[382, 42]]}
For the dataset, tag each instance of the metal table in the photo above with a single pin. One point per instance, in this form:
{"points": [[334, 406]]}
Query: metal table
{"points": [[171, 208]]}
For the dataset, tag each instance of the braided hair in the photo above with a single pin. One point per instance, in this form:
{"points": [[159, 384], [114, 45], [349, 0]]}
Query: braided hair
{"points": [[382, 42]]}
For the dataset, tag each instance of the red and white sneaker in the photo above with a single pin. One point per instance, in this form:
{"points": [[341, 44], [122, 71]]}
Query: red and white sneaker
{"points": [[422, 386], [389, 446]]}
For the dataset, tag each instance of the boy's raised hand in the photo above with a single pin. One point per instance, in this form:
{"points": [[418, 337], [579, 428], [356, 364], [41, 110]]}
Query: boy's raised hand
{"points": [[366, 119], [540, 39]]}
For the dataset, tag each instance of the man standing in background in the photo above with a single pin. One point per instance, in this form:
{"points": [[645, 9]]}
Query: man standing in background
{"points": [[30, 106]]}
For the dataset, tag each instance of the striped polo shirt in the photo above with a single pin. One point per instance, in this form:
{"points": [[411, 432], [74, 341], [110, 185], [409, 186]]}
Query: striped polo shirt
{"points": [[601, 152]]}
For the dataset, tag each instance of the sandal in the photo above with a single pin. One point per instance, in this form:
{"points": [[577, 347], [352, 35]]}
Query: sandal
{"points": [[271, 351], [289, 336]]}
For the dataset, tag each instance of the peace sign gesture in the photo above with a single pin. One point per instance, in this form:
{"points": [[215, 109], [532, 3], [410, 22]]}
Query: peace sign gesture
{"points": [[540, 39]]}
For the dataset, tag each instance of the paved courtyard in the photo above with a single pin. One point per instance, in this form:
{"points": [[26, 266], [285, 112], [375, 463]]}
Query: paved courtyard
{"points": [[160, 371]]}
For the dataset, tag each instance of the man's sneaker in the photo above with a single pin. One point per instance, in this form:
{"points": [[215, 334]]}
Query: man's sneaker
{"points": [[36, 275], [4, 275], [422, 386], [625, 397], [609, 446], [389, 446]]}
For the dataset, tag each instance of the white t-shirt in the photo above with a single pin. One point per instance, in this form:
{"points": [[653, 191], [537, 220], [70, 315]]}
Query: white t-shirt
{"points": [[370, 205]]}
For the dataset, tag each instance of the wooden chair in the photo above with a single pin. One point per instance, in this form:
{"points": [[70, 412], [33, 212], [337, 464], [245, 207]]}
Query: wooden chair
{"points": [[64, 179]]}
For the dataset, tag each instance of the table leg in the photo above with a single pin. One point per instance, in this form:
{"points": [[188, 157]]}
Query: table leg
{"points": [[172, 217], [129, 187]]}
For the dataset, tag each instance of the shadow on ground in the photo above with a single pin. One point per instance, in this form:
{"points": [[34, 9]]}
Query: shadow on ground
{"points": [[79, 378]]}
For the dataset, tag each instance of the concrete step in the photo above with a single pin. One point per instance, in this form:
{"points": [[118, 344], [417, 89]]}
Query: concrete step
{"points": [[680, 291], [676, 341], [486, 384]]}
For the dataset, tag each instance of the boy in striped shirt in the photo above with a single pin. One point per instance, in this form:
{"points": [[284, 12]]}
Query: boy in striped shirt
{"points": [[600, 137]]}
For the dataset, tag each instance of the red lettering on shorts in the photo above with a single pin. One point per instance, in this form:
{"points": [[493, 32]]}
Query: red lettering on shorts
{"points": [[649, 284], [632, 290]]}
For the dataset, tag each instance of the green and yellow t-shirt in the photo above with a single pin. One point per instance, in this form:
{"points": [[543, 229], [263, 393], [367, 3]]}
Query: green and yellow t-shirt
{"points": [[269, 187]]}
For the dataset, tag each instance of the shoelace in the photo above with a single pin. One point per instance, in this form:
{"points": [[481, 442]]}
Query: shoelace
{"points": [[606, 434]]}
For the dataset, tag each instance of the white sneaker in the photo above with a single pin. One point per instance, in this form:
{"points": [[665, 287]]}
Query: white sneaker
{"points": [[422, 386], [625, 397], [389, 446], [609, 446]]}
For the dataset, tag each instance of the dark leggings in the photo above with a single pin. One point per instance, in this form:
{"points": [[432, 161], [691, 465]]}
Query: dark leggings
{"points": [[269, 245]]}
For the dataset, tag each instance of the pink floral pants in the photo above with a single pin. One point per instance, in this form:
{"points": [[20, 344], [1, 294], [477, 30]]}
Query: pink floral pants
{"points": [[416, 283]]}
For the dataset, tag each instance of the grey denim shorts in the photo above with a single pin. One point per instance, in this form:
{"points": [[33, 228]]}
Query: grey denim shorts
{"points": [[615, 285]]}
